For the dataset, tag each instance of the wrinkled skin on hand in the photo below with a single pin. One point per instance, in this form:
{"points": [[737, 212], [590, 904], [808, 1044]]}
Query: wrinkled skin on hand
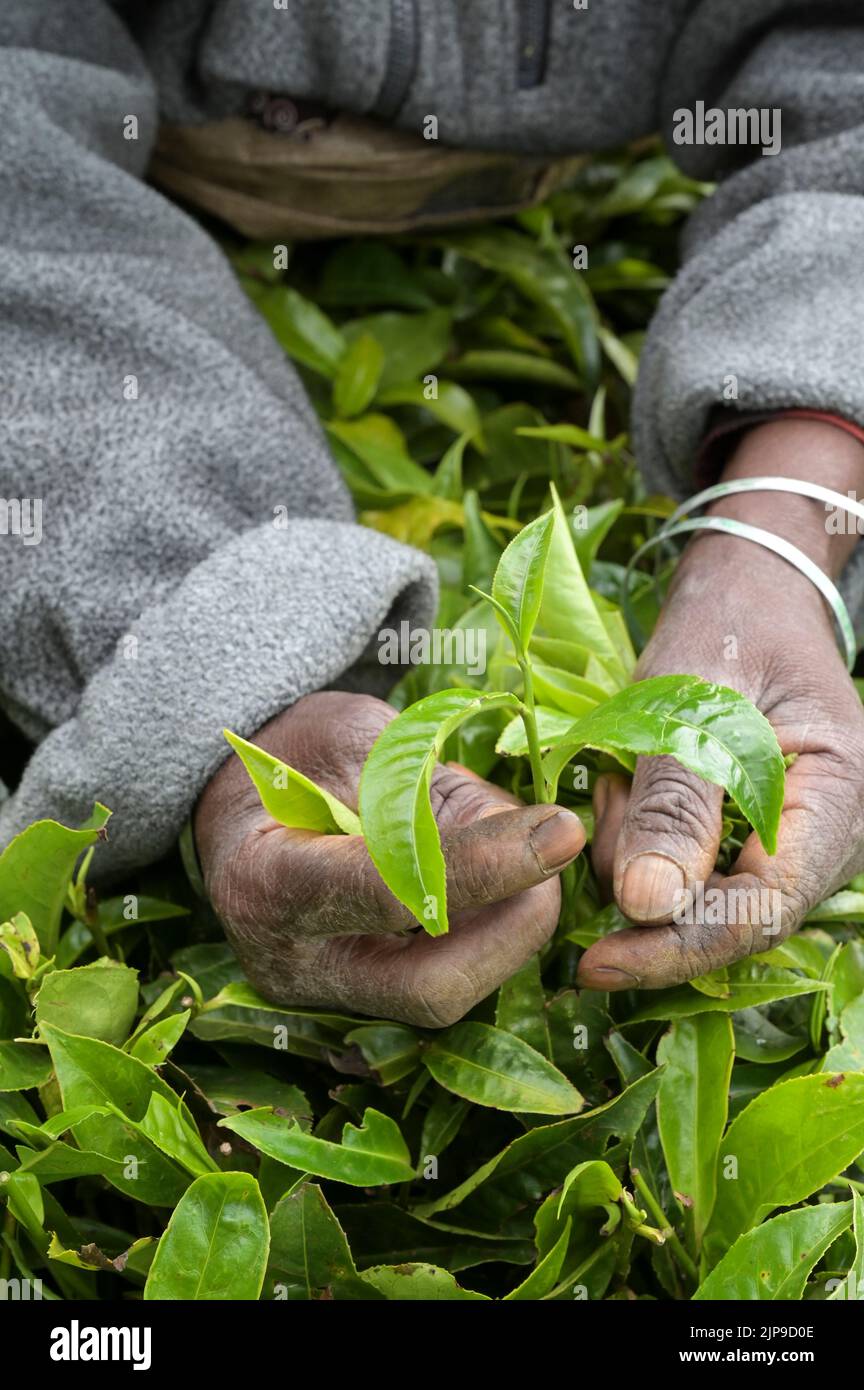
{"points": [[308, 914], [313, 924], [743, 617]]}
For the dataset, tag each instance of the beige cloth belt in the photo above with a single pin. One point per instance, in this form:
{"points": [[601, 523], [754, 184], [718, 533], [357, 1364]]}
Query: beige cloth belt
{"points": [[351, 175]]}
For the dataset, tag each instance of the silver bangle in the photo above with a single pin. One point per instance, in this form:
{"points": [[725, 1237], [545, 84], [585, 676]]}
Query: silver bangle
{"points": [[674, 526]]}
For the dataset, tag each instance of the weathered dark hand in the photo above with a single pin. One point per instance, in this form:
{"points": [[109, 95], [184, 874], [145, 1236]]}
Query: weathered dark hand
{"points": [[743, 617], [308, 914]]}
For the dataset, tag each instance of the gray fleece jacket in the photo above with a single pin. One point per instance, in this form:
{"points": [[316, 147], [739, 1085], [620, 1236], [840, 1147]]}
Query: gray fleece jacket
{"points": [[162, 602]]}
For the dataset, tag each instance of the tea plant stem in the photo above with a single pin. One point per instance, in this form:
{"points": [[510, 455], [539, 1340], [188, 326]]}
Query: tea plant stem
{"points": [[100, 940], [665, 1225], [850, 1183], [529, 719]]}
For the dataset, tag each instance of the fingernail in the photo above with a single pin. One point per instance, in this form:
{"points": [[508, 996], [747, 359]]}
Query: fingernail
{"points": [[651, 887], [601, 796], [607, 977], [557, 840]]}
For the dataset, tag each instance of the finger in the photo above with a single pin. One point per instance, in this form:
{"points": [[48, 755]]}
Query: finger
{"points": [[763, 900], [611, 794], [430, 983], [669, 838], [656, 957], [326, 885]]}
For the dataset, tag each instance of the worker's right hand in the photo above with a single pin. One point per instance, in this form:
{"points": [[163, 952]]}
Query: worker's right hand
{"points": [[308, 914]]}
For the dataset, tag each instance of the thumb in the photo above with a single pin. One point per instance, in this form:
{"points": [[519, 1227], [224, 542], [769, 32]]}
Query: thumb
{"points": [[505, 851], [668, 841]]}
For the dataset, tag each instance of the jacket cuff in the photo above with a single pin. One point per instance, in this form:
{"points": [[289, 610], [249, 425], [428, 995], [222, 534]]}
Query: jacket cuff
{"points": [[271, 616]]}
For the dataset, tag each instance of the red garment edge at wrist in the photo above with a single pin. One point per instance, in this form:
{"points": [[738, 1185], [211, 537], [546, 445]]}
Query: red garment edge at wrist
{"points": [[716, 445]]}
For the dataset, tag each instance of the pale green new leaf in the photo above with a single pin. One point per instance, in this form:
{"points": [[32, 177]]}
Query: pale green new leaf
{"points": [[568, 609], [517, 587], [395, 811], [291, 798]]}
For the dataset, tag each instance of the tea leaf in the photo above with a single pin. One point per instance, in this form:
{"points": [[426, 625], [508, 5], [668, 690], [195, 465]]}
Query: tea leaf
{"points": [[517, 587], [35, 869], [216, 1243], [691, 1108], [371, 1156], [490, 1067], [774, 1261], [709, 729], [395, 811], [788, 1143], [291, 798]]}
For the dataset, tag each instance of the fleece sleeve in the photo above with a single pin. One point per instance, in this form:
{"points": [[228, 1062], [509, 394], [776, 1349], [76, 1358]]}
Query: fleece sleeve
{"points": [[177, 551], [766, 313]]}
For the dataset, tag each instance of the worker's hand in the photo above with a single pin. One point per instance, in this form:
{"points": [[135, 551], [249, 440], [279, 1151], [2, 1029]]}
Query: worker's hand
{"points": [[743, 617], [309, 915]]}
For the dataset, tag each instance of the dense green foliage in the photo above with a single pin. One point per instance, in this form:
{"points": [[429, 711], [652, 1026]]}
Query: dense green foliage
{"points": [[165, 1130]]}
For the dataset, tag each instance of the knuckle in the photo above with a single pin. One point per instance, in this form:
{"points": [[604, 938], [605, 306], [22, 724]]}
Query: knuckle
{"points": [[478, 878], [439, 996], [455, 798], [671, 802]]}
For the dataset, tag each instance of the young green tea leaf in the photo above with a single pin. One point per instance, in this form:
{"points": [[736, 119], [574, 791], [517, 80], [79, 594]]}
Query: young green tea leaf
{"points": [[447, 401], [552, 726], [545, 1155], [395, 811], [380, 446], [303, 330], [291, 798], [490, 1067], [96, 1074], [413, 344], [544, 275], [157, 1042], [216, 1244], [19, 942], [569, 610], [709, 729], [544, 1275], [517, 587]]}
